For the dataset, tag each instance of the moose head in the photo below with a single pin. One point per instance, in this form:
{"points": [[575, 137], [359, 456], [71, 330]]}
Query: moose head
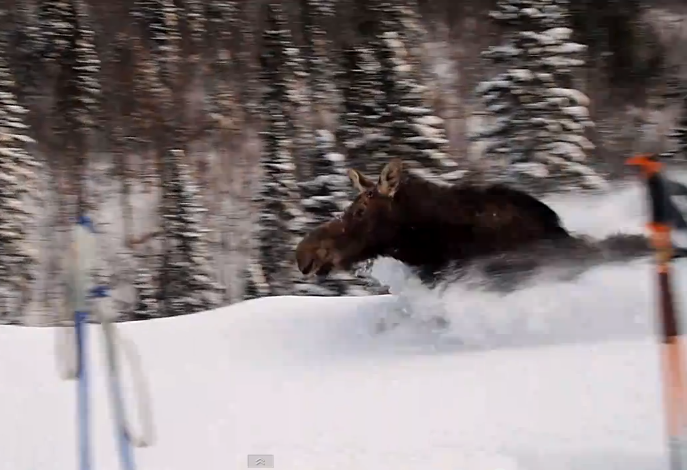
{"points": [[367, 227]]}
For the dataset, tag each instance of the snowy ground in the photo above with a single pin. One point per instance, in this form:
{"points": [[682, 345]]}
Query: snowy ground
{"points": [[553, 377]]}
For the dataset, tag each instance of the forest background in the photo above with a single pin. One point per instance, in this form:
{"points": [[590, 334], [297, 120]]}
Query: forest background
{"points": [[205, 137]]}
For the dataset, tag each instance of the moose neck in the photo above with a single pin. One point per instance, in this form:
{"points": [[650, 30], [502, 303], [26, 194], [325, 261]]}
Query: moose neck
{"points": [[426, 204]]}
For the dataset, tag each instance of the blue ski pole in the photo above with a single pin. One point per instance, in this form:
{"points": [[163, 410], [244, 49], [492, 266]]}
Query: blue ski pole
{"points": [[123, 440], [125, 452], [83, 416], [82, 258]]}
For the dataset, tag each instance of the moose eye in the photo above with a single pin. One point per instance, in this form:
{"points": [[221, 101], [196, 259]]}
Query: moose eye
{"points": [[359, 211]]}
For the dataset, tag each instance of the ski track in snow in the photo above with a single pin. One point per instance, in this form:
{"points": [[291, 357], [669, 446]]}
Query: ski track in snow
{"points": [[557, 376]]}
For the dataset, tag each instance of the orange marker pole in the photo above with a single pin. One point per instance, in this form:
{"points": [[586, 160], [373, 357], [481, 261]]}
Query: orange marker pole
{"points": [[674, 382]]}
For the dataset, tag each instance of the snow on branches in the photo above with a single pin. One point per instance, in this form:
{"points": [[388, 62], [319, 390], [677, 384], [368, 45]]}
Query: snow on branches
{"points": [[540, 121], [17, 181]]}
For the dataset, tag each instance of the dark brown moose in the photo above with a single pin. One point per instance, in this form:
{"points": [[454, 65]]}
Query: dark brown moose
{"points": [[425, 225]]}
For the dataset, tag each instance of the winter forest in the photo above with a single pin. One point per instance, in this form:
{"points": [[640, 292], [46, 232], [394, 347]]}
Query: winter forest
{"points": [[204, 137]]}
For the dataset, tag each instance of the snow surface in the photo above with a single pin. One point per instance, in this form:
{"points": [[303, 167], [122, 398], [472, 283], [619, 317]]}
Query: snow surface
{"points": [[555, 376]]}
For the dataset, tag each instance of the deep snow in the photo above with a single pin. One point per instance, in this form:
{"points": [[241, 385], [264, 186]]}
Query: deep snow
{"points": [[555, 376]]}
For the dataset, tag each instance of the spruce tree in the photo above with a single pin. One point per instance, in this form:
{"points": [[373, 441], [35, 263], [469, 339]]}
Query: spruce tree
{"points": [[385, 112], [146, 304], [276, 229], [316, 50], [18, 181], [159, 20], [196, 22], [297, 104], [348, 130], [223, 110], [412, 27], [417, 134], [78, 95], [25, 46], [188, 281], [222, 20], [538, 137], [56, 28], [249, 91], [679, 134], [255, 283], [361, 130]]}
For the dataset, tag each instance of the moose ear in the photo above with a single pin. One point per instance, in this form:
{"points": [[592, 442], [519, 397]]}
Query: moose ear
{"points": [[360, 182], [390, 178]]}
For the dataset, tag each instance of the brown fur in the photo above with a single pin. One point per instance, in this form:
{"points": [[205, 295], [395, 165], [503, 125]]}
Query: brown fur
{"points": [[426, 226]]}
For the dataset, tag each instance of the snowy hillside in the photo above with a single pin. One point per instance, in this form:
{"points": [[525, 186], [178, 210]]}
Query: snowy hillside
{"points": [[307, 381], [556, 376]]}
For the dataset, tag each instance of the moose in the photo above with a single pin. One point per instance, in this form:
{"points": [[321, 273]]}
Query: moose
{"points": [[433, 228]]}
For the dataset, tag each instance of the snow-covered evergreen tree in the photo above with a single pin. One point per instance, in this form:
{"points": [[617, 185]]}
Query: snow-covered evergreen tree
{"points": [[326, 194], [17, 181], [297, 104], [26, 44], [222, 28], [255, 283], [405, 15], [146, 304], [679, 134], [196, 22], [186, 275], [222, 18], [538, 138], [249, 95], [275, 228], [78, 95], [323, 197], [186, 278], [159, 19], [361, 130], [56, 26], [417, 134], [385, 111], [150, 96], [224, 111], [86, 86], [316, 51]]}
